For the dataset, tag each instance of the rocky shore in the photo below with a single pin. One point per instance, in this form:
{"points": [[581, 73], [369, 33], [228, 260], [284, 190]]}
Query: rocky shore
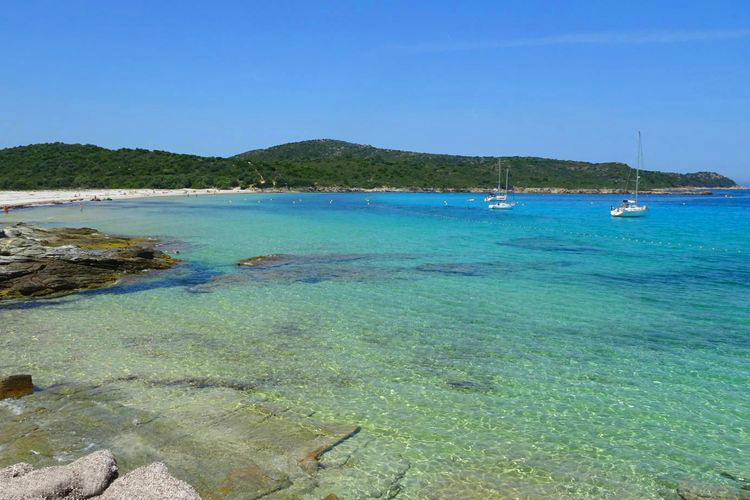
{"points": [[36, 262]]}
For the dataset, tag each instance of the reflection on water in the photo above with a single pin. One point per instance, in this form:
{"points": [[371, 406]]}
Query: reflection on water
{"points": [[551, 351]]}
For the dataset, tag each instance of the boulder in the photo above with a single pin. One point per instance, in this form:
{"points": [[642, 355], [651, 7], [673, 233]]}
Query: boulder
{"points": [[85, 478], [15, 386], [92, 476], [151, 482]]}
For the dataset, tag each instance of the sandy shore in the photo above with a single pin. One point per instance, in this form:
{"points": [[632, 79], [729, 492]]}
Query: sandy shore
{"points": [[19, 199]]}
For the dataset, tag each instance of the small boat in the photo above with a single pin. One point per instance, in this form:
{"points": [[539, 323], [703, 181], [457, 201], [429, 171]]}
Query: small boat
{"points": [[502, 205], [496, 196], [630, 207], [501, 201]]}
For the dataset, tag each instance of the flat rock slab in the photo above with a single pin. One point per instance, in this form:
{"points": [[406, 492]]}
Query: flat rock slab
{"points": [[15, 386], [224, 442]]}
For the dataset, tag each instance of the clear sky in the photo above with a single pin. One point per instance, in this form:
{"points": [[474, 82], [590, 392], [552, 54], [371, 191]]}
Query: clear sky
{"points": [[561, 79]]}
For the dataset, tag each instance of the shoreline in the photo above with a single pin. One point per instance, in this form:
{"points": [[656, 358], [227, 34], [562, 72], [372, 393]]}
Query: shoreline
{"points": [[25, 199]]}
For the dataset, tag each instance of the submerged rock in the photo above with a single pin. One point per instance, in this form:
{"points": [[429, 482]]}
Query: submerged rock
{"points": [[265, 260], [38, 261], [470, 385], [253, 478], [310, 269], [282, 259], [15, 386], [690, 490], [456, 268]]}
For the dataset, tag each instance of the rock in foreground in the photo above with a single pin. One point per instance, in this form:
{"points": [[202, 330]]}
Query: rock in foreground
{"points": [[86, 477], [37, 262], [152, 481], [92, 477]]}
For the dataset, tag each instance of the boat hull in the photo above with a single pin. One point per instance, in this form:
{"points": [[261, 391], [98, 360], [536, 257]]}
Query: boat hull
{"points": [[501, 206], [628, 212]]}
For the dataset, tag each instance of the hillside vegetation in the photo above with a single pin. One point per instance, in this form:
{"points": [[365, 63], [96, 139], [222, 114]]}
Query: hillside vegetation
{"points": [[312, 164]]}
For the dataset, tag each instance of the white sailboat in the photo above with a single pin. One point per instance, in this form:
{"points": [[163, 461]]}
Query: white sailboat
{"points": [[501, 202], [496, 196], [630, 207]]}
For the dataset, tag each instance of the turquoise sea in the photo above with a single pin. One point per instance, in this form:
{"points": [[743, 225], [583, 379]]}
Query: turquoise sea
{"points": [[547, 351]]}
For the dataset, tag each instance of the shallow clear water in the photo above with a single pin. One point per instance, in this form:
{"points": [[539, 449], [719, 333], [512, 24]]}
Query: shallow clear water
{"points": [[548, 350]]}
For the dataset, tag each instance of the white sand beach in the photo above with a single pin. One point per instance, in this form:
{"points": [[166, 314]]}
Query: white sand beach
{"points": [[19, 199]]}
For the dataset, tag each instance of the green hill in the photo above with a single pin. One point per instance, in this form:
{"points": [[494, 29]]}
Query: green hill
{"points": [[315, 164]]}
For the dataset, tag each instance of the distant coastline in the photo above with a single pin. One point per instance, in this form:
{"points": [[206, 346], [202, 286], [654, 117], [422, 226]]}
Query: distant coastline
{"points": [[322, 165]]}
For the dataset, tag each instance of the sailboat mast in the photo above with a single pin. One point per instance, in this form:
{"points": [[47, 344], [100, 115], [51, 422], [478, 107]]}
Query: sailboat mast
{"points": [[638, 167], [507, 173], [499, 172]]}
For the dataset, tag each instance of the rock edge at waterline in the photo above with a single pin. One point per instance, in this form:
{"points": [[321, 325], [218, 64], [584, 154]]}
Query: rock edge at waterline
{"points": [[38, 262], [15, 386]]}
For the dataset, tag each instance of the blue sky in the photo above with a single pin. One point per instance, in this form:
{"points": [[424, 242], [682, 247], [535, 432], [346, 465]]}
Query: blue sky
{"points": [[571, 80]]}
